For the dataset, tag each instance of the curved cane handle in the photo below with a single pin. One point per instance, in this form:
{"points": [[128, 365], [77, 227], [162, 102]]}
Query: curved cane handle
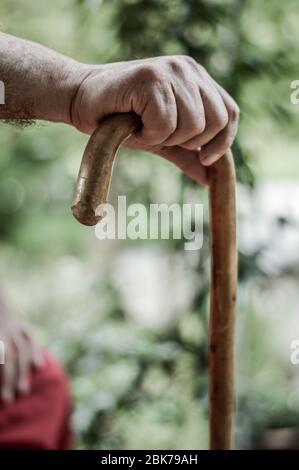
{"points": [[95, 172], [92, 190]]}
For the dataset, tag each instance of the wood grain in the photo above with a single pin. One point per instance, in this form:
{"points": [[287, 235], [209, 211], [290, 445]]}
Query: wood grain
{"points": [[223, 301]]}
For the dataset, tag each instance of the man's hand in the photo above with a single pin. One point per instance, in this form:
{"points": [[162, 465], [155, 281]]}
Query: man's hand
{"points": [[187, 117], [181, 107], [21, 356]]}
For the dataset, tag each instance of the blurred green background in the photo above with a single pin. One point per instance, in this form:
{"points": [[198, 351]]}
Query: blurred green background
{"points": [[130, 319]]}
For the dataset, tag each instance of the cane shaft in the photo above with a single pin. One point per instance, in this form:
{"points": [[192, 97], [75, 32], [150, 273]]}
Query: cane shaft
{"points": [[223, 299]]}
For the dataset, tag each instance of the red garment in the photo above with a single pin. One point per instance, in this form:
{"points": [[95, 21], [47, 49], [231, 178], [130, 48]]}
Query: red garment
{"points": [[41, 419]]}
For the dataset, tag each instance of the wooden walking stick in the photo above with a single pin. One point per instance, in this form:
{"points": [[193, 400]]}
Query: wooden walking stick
{"points": [[223, 299], [92, 190]]}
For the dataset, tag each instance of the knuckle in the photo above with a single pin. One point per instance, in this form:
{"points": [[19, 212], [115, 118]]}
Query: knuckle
{"points": [[235, 113], [202, 73], [221, 121], [176, 64], [195, 121], [164, 123], [149, 73], [161, 131], [190, 61], [199, 126]]}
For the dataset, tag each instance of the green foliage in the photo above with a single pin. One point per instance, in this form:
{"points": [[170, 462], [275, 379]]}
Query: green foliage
{"points": [[140, 380]]}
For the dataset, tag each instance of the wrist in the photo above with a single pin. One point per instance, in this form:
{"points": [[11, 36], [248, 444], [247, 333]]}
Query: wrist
{"points": [[58, 103], [78, 108]]}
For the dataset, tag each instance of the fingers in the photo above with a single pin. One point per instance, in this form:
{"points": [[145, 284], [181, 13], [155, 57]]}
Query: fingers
{"points": [[191, 119], [159, 116], [23, 365], [28, 356], [8, 373], [186, 160], [180, 105], [216, 117], [214, 149], [22, 355], [185, 107], [170, 106], [35, 353]]}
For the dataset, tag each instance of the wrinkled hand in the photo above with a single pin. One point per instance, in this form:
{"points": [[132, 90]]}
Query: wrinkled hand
{"points": [[187, 117], [21, 356]]}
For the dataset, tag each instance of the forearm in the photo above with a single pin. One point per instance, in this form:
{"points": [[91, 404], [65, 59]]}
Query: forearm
{"points": [[39, 83]]}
